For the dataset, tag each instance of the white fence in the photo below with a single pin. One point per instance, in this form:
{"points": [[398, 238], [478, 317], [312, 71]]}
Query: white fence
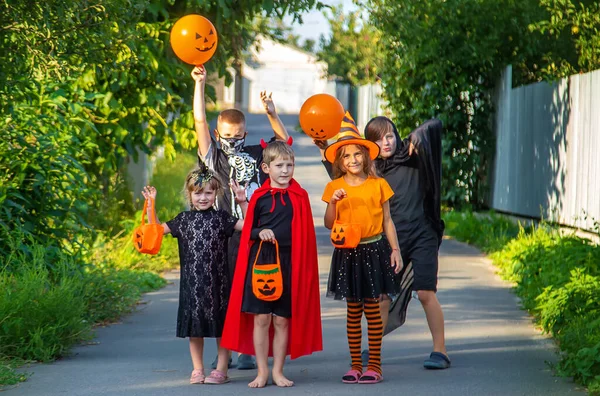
{"points": [[547, 155]]}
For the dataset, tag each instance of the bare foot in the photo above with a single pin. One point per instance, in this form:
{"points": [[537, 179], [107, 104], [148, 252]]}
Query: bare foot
{"points": [[259, 382], [281, 381]]}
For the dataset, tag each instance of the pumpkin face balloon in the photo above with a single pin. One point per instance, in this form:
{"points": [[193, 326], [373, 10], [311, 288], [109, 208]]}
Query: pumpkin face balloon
{"points": [[194, 39], [321, 116]]}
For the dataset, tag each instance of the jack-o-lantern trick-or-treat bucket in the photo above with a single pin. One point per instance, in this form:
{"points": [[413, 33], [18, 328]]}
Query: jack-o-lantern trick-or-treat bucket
{"points": [[345, 235], [147, 238], [267, 280]]}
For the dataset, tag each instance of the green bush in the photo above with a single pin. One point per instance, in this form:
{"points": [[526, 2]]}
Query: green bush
{"points": [[49, 302], [41, 317], [111, 293], [557, 277], [545, 258]]}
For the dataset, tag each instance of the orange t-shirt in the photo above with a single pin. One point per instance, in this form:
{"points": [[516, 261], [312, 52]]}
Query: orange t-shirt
{"points": [[366, 201]]}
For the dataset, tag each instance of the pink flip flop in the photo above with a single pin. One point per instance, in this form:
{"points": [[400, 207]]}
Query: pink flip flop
{"points": [[370, 377], [216, 377], [351, 377]]}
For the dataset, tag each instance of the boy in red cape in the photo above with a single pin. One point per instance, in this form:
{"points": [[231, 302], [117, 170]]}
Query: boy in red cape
{"points": [[278, 227]]}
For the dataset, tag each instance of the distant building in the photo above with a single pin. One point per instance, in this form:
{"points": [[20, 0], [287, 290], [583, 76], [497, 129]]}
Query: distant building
{"points": [[290, 73]]}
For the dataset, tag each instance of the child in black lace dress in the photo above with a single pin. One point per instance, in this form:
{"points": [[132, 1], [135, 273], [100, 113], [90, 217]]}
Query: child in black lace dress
{"points": [[202, 234]]}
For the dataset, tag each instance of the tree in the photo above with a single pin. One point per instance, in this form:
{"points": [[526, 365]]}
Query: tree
{"points": [[353, 51], [309, 45], [84, 86], [442, 59], [573, 27]]}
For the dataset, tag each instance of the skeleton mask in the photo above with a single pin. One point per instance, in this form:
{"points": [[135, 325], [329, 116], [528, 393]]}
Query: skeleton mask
{"points": [[232, 146]]}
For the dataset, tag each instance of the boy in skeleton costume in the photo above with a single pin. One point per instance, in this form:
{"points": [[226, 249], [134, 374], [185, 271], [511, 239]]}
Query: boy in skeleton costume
{"points": [[231, 159], [243, 169]]}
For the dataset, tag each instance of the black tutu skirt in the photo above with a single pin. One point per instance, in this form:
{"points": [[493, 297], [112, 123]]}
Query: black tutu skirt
{"points": [[283, 306], [362, 272]]}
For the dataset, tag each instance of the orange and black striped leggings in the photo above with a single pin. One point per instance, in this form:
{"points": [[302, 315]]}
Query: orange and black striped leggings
{"points": [[375, 332]]}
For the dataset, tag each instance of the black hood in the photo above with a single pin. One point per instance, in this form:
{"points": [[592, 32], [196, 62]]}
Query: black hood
{"points": [[427, 139]]}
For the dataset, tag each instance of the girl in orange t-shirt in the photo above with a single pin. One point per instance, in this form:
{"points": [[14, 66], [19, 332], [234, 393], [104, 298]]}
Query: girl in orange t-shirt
{"points": [[364, 274]]}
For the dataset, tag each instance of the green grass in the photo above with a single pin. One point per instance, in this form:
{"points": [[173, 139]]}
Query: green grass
{"points": [[8, 374], [557, 276], [50, 302]]}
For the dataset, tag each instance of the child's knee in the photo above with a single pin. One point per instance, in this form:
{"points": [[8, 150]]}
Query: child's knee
{"points": [[262, 320], [280, 323], [426, 296]]}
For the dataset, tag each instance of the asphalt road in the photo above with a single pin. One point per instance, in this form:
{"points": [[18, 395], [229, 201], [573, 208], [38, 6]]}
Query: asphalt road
{"points": [[494, 347]]}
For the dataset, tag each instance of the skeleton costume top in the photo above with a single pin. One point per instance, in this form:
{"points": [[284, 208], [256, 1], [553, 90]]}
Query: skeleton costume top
{"points": [[234, 161]]}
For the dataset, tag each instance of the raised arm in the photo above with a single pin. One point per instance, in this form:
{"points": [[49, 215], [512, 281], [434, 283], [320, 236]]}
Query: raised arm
{"points": [[276, 123], [149, 194], [426, 137], [200, 123]]}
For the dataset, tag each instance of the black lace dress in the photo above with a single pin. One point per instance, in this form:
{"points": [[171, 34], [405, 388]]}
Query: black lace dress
{"points": [[205, 283]]}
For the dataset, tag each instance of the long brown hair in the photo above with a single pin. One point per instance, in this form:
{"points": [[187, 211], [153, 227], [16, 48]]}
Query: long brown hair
{"points": [[338, 167]]}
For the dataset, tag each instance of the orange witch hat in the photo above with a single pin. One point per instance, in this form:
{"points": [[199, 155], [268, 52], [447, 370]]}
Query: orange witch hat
{"points": [[349, 135]]}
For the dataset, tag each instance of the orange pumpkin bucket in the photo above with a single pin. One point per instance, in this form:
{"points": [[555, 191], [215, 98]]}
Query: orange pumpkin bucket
{"points": [[267, 280], [147, 238], [345, 235]]}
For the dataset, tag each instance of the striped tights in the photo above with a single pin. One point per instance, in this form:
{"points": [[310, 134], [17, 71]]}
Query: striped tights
{"points": [[375, 332]]}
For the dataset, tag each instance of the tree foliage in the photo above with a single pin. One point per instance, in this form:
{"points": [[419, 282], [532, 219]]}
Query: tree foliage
{"points": [[573, 29], [443, 59], [353, 50], [86, 86]]}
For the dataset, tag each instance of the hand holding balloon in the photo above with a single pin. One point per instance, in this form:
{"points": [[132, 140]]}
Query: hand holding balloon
{"points": [[199, 74], [321, 144]]}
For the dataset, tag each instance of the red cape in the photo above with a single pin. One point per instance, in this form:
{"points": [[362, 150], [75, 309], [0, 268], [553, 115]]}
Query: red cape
{"points": [[305, 324]]}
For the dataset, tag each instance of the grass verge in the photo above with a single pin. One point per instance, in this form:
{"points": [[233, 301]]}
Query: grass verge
{"points": [[557, 277]]}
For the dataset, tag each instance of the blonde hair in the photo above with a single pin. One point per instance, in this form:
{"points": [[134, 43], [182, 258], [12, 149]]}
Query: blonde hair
{"points": [[338, 167], [197, 180], [276, 150]]}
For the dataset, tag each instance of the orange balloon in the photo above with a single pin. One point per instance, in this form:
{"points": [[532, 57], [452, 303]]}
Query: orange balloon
{"points": [[194, 39], [321, 116]]}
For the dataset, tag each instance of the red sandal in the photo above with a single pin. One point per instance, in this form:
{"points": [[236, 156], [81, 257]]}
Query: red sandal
{"points": [[351, 377], [370, 377]]}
